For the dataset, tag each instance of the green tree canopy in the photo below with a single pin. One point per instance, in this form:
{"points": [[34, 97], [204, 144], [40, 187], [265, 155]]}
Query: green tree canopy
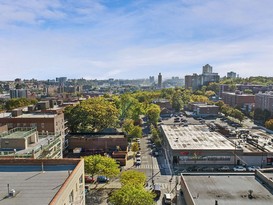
{"points": [[101, 165], [133, 177], [153, 113], [132, 195], [128, 125], [94, 114], [134, 147], [136, 131], [19, 102], [177, 102]]}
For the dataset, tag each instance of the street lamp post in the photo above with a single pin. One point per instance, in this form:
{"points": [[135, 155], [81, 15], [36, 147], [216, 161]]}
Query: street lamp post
{"points": [[235, 153]]}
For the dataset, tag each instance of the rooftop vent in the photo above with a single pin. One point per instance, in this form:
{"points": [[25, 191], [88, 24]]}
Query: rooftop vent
{"points": [[12, 193]]}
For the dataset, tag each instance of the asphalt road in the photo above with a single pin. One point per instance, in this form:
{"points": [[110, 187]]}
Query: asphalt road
{"points": [[156, 169]]}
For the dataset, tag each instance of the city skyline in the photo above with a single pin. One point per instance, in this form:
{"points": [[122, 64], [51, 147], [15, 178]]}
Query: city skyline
{"points": [[104, 39]]}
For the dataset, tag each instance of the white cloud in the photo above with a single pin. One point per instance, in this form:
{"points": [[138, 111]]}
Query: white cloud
{"points": [[89, 38]]}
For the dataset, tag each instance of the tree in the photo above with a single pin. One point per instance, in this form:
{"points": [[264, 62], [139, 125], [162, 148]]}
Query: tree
{"points": [[153, 113], [136, 131], [177, 102], [19, 102], [133, 177], [238, 115], [155, 134], [134, 147], [94, 114], [269, 124], [132, 195], [101, 165], [128, 125], [248, 91], [213, 87]]}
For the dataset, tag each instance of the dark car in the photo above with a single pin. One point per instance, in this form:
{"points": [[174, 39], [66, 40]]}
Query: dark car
{"points": [[102, 179]]}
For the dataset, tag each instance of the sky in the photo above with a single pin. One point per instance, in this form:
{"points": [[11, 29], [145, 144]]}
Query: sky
{"points": [[132, 39]]}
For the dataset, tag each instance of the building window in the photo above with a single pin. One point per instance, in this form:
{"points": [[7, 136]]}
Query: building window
{"points": [[81, 179], [42, 125], [71, 197]]}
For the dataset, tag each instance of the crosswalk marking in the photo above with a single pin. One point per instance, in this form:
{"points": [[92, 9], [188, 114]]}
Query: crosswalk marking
{"points": [[149, 166], [162, 185]]}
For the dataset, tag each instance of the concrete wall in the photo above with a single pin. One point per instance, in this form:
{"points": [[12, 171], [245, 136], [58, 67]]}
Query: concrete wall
{"points": [[74, 183], [186, 192], [261, 176], [14, 143]]}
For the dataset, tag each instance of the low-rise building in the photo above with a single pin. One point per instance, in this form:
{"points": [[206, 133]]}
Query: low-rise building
{"points": [[203, 110], [42, 182], [196, 144], [239, 99], [228, 189], [23, 142], [97, 143]]}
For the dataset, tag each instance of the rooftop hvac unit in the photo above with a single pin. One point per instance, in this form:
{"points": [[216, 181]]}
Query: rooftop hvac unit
{"points": [[12, 193]]}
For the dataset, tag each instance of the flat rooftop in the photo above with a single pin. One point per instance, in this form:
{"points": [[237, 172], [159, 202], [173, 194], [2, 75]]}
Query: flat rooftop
{"points": [[29, 115], [227, 190], [96, 136], [195, 137], [16, 135], [31, 185], [36, 115]]}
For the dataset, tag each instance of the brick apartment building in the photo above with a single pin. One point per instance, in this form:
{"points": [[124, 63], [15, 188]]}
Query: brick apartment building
{"points": [[98, 142], [50, 121], [43, 121], [264, 101], [238, 99]]}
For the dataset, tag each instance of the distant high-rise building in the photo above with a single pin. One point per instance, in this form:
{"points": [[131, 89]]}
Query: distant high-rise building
{"points": [[19, 93], [231, 75], [207, 69], [196, 81], [151, 79], [159, 81], [61, 80]]}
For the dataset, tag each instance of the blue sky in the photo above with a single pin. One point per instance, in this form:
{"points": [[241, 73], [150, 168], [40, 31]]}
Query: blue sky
{"points": [[101, 39]]}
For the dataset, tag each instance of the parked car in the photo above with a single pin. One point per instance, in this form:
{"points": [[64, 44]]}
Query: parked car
{"points": [[156, 153], [167, 198], [253, 168], [138, 154], [239, 169], [102, 179], [208, 169], [177, 119], [224, 168], [89, 179], [138, 161]]}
